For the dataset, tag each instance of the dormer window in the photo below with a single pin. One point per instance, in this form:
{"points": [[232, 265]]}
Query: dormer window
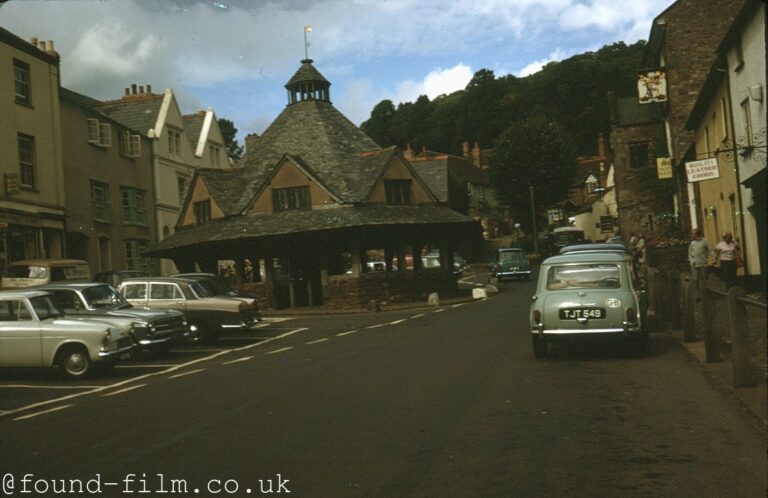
{"points": [[398, 192], [290, 199], [202, 211], [591, 184]]}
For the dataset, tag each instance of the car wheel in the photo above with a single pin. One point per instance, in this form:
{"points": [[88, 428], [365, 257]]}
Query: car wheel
{"points": [[74, 362], [540, 346]]}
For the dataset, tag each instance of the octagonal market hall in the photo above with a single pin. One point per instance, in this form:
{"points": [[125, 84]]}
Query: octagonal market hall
{"points": [[317, 214]]}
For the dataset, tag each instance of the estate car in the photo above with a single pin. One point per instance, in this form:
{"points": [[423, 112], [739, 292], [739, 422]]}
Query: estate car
{"points": [[35, 333], [587, 294], [208, 315]]}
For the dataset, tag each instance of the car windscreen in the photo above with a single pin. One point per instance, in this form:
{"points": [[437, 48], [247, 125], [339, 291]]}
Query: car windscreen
{"points": [[583, 276], [512, 256], [203, 288], [103, 296], [27, 271]]}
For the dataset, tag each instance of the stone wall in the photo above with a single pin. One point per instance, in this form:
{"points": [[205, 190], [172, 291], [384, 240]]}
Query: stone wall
{"points": [[385, 288]]}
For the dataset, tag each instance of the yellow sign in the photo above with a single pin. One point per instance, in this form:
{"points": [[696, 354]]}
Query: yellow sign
{"points": [[664, 167]]}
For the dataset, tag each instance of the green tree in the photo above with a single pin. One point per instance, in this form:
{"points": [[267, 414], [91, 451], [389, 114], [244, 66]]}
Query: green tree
{"points": [[228, 130], [533, 153]]}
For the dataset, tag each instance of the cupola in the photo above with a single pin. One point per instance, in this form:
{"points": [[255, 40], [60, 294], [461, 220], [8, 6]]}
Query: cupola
{"points": [[308, 84]]}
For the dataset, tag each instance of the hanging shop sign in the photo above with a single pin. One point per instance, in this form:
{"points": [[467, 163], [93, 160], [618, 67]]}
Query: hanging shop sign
{"points": [[664, 167], [651, 86], [706, 169]]}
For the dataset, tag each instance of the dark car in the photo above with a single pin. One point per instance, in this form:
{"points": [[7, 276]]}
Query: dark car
{"points": [[208, 314], [510, 262], [155, 330]]}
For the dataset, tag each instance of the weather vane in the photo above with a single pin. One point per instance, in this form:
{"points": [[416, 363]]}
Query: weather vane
{"points": [[307, 29]]}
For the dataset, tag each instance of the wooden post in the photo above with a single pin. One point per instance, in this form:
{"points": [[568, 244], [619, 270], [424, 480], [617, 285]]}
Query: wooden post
{"points": [[689, 303], [674, 299], [711, 339], [737, 313]]}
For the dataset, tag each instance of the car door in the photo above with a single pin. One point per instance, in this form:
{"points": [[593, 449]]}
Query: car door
{"points": [[20, 341], [135, 293], [165, 295]]}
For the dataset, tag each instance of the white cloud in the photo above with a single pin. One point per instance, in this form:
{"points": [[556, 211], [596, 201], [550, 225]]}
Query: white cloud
{"points": [[434, 84], [536, 66]]}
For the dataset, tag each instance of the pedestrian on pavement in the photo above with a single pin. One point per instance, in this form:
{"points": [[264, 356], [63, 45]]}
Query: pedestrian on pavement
{"points": [[639, 256], [726, 252], [698, 258]]}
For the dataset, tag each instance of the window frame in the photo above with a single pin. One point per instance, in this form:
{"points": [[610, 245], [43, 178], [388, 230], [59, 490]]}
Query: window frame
{"points": [[398, 192], [291, 199], [174, 142], [27, 169], [132, 251], [22, 87], [202, 210], [134, 205], [106, 216]]}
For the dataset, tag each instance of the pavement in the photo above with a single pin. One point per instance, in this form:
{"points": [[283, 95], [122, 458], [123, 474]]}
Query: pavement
{"points": [[755, 399]]}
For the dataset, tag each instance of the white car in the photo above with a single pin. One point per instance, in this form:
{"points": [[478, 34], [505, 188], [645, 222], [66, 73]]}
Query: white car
{"points": [[35, 333]]}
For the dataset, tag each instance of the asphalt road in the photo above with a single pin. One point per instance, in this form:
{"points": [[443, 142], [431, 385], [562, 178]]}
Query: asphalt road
{"points": [[422, 402]]}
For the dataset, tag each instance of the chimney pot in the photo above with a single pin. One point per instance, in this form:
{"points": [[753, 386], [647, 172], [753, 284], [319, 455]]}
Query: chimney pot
{"points": [[149, 89], [127, 91], [41, 45], [141, 90], [33, 41], [133, 88], [50, 46], [465, 148]]}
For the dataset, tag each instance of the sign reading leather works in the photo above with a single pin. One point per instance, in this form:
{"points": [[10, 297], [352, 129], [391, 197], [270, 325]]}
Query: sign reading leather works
{"points": [[706, 169]]}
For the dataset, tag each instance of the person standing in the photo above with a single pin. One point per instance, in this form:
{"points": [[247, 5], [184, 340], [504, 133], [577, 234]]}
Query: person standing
{"points": [[698, 258], [725, 254]]}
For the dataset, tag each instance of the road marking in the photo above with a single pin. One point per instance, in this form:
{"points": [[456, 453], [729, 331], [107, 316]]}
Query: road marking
{"points": [[375, 326], [277, 318], [260, 326], [315, 342], [249, 346], [198, 350], [29, 386], [439, 311], [123, 390], [147, 366], [244, 358], [340, 334], [280, 350], [459, 305], [418, 316], [398, 321], [186, 373], [43, 412]]}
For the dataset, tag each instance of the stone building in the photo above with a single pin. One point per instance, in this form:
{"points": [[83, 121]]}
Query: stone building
{"points": [[312, 201]]}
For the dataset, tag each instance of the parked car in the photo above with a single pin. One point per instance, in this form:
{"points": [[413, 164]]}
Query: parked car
{"points": [[510, 262], [114, 278], [587, 294], [30, 272], [208, 315], [218, 286], [35, 333], [155, 330], [432, 260], [601, 247]]}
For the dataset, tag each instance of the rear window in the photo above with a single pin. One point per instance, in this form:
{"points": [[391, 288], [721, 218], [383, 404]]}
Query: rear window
{"points": [[511, 255], [584, 276], [32, 271]]}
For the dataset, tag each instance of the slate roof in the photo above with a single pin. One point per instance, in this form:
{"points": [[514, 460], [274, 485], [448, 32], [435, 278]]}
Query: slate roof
{"points": [[314, 221], [137, 112], [306, 73], [436, 170], [87, 103], [193, 124], [224, 185]]}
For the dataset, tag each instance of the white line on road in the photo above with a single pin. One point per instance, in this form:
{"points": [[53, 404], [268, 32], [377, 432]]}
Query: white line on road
{"points": [[398, 321], [375, 326], [198, 350], [279, 350], [123, 390], [418, 316], [260, 326], [244, 358], [146, 366], [249, 346], [43, 413], [341, 334], [186, 373], [29, 386], [315, 342], [459, 305], [439, 311]]}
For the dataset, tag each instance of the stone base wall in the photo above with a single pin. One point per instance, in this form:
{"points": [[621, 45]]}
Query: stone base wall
{"points": [[383, 288]]}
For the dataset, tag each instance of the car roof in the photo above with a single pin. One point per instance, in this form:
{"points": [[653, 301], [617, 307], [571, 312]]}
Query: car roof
{"points": [[70, 285], [49, 262], [593, 247], [587, 257], [23, 294], [567, 229], [158, 279]]}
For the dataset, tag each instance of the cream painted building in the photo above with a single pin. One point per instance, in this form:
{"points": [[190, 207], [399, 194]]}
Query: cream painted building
{"points": [[32, 201]]}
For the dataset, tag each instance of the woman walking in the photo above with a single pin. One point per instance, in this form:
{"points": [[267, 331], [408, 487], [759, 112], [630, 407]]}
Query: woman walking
{"points": [[726, 252]]}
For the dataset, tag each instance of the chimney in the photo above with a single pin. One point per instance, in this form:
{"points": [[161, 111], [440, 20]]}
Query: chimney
{"points": [[41, 45], [133, 88], [149, 89], [141, 90], [408, 152], [33, 41], [250, 141], [127, 91], [476, 158], [50, 47], [465, 149]]}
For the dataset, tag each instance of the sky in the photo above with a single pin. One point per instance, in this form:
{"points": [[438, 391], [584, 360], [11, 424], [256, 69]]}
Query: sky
{"points": [[236, 55]]}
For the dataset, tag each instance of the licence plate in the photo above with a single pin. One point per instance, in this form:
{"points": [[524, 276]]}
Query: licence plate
{"points": [[574, 313]]}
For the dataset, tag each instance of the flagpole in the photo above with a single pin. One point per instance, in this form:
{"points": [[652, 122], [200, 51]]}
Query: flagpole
{"points": [[307, 29]]}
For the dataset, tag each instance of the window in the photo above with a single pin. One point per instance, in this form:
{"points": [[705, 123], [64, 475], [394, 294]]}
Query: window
{"points": [[591, 185], [215, 153], [130, 145], [181, 182], [398, 191], [21, 82], [99, 133], [165, 291], [638, 155], [746, 123], [202, 212], [100, 201], [26, 161], [174, 143], [134, 259], [288, 199], [134, 207]]}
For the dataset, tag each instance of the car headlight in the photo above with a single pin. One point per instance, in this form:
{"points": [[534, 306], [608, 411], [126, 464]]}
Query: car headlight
{"points": [[107, 337]]}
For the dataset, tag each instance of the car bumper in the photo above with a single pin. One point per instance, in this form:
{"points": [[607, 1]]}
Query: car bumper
{"points": [[627, 330], [114, 354], [515, 273]]}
